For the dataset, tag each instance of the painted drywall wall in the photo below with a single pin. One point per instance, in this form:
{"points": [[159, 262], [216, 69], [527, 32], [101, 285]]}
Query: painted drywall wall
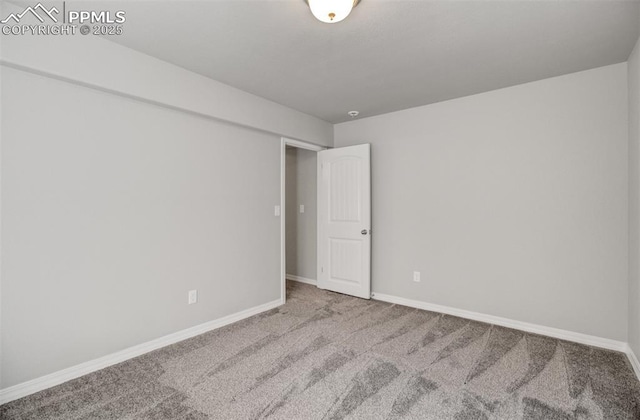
{"points": [[301, 189], [95, 61], [633, 71], [511, 203], [155, 149], [113, 209]]}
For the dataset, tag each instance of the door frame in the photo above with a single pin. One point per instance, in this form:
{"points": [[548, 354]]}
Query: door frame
{"points": [[283, 221]]}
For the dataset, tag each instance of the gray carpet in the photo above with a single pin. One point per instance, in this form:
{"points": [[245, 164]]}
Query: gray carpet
{"points": [[328, 356]]}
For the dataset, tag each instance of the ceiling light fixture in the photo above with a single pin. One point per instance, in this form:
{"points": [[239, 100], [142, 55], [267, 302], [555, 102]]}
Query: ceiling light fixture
{"points": [[331, 11]]}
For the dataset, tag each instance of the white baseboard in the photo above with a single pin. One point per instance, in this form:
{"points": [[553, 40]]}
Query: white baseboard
{"points": [[634, 361], [301, 279], [589, 340], [56, 378]]}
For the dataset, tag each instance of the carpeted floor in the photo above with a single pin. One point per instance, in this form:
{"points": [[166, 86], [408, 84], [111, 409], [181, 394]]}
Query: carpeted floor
{"points": [[328, 356]]}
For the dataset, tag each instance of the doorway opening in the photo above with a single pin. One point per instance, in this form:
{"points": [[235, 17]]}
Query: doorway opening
{"points": [[299, 212], [326, 241]]}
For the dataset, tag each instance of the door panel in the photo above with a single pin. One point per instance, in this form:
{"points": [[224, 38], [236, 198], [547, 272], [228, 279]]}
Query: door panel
{"points": [[344, 220]]}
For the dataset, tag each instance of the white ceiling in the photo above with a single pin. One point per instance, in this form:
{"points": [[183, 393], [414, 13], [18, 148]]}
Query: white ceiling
{"points": [[388, 55]]}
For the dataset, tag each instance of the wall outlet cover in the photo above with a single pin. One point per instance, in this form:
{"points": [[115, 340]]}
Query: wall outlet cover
{"points": [[193, 297]]}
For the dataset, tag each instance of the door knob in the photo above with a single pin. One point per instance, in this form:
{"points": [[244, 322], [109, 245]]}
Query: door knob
{"points": [[364, 231]]}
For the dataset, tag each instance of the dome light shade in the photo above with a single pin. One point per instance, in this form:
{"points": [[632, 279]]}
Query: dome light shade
{"points": [[331, 11]]}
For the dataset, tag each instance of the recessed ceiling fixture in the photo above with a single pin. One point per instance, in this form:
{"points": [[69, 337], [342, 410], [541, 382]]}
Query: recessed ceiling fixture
{"points": [[353, 114], [331, 11]]}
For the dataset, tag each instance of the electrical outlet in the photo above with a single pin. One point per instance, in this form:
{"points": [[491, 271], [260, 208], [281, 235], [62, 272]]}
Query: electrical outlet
{"points": [[193, 297], [416, 276], [276, 210]]}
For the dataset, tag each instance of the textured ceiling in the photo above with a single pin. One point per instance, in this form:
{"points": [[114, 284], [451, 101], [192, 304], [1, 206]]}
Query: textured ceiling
{"points": [[388, 55]]}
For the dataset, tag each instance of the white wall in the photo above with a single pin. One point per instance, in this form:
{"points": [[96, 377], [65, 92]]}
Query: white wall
{"points": [[634, 199], [127, 181], [511, 203], [301, 188], [112, 210]]}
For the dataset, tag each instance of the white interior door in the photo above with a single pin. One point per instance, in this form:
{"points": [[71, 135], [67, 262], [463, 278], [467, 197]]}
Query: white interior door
{"points": [[344, 220]]}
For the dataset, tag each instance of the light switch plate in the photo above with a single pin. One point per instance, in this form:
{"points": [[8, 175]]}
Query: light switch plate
{"points": [[276, 210], [301, 208]]}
